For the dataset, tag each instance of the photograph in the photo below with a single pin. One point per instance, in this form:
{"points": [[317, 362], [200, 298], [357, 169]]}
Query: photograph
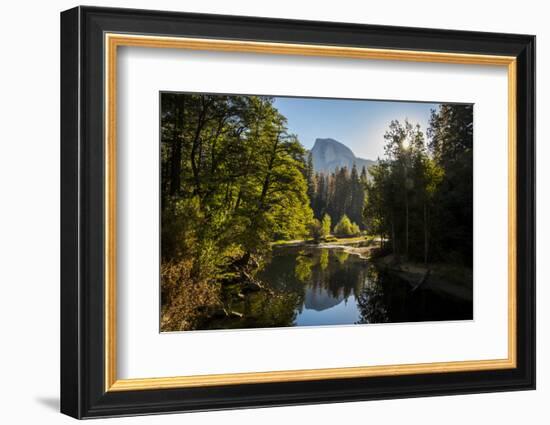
{"points": [[281, 210], [294, 211]]}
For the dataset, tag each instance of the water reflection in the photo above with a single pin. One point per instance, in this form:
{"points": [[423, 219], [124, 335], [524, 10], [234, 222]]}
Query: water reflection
{"points": [[371, 302], [329, 281], [302, 271], [323, 259], [328, 286]]}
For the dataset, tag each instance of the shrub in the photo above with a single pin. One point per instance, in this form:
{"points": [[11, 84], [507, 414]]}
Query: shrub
{"points": [[346, 228], [315, 229], [325, 226], [184, 299]]}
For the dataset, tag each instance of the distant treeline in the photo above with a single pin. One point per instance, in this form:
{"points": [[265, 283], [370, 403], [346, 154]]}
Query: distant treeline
{"points": [[339, 193]]}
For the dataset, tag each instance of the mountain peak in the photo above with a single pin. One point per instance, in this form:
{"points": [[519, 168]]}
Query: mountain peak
{"points": [[329, 154], [328, 143], [327, 140]]}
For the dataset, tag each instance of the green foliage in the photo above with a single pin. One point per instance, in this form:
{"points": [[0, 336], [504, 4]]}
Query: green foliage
{"points": [[323, 259], [326, 225], [231, 168], [451, 143], [315, 230], [183, 297], [345, 227], [310, 178], [338, 193], [232, 181], [303, 267], [419, 196], [341, 256]]}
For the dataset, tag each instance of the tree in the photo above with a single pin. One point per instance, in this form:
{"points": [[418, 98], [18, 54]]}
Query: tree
{"points": [[363, 178], [451, 146], [320, 195], [233, 180], [357, 196], [403, 143], [431, 176], [310, 179], [338, 193], [345, 227], [419, 195], [326, 225], [316, 229]]}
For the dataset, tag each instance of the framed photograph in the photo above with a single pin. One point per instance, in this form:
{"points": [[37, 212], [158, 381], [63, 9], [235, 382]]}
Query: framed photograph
{"points": [[261, 212]]}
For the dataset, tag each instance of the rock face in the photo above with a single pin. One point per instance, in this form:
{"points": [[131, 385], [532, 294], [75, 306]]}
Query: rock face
{"points": [[320, 300], [329, 154]]}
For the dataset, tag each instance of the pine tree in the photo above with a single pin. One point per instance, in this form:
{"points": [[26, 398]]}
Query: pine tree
{"points": [[326, 225], [310, 179], [363, 176], [357, 191]]}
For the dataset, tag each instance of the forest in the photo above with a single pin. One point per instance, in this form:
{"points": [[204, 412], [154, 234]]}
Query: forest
{"points": [[235, 183], [337, 194], [419, 199]]}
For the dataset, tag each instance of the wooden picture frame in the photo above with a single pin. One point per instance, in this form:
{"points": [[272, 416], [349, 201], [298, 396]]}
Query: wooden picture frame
{"points": [[90, 38]]}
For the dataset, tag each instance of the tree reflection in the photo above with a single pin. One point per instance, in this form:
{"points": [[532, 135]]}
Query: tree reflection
{"points": [[341, 255], [370, 300], [302, 271], [258, 309], [272, 310], [298, 279], [308, 286], [323, 259]]}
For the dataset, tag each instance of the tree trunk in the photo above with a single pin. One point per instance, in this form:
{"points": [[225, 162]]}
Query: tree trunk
{"points": [[406, 226], [195, 165], [267, 179], [175, 163], [393, 238], [425, 234]]}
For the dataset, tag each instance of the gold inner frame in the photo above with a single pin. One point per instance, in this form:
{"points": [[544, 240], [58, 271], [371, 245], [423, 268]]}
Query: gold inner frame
{"points": [[113, 41]]}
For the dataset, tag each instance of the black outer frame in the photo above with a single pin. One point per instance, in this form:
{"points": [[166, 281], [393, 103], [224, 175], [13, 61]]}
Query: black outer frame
{"points": [[82, 212]]}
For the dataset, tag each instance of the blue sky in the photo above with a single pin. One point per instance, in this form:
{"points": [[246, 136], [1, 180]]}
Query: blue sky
{"points": [[359, 124]]}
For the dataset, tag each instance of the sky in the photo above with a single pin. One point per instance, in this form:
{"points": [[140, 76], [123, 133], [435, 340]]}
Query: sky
{"points": [[358, 124]]}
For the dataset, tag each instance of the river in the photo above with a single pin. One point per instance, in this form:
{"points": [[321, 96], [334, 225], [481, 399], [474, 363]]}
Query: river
{"points": [[320, 286]]}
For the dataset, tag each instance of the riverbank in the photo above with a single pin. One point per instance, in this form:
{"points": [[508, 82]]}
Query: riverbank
{"points": [[450, 279], [362, 246]]}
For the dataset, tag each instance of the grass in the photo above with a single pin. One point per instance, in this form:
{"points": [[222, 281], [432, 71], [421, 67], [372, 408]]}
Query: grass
{"points": [[347, 240], [329, 239]]}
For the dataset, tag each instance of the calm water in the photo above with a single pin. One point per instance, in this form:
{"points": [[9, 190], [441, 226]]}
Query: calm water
{"points": [[327, 286]]}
